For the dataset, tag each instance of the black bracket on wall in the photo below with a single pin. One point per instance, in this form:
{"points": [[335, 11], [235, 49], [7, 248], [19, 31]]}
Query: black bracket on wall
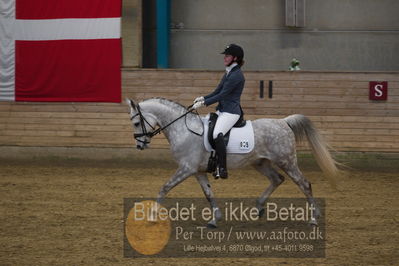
{"points": [[262, 89], [270, 89]]}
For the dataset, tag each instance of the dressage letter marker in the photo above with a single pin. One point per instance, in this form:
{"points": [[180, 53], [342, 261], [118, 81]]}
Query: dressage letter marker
{"points": [[378, 91]]}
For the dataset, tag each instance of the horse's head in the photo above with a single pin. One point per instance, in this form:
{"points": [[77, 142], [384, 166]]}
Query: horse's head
{"points": [[143, 124]]}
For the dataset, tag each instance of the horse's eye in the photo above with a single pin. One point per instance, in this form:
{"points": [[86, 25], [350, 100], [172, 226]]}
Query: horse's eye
{"points": [[136, 124]]}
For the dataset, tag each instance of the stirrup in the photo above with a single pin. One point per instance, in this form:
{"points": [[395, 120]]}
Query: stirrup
{"points": [[216, 174], [220, 174]]}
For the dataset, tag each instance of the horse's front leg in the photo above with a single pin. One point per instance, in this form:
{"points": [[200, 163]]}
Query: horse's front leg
{"points": [[206, 188], [181, 174]]}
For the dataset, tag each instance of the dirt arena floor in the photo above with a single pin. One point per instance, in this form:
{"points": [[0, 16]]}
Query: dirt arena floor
{"points": [[71, 212]]}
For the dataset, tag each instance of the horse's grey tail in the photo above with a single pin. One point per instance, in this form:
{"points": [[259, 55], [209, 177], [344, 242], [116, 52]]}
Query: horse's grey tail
{"points": [[302, 126]]}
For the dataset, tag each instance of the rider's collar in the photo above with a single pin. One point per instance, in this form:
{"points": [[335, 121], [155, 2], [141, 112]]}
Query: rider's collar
{"points": [[230, 67]]}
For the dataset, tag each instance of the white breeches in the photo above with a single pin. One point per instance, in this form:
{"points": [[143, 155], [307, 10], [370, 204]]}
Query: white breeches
{"points": [[224, 123]]}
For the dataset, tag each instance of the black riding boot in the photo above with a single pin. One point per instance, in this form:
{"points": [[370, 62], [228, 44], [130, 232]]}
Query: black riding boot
{"points": [[220, 146]]}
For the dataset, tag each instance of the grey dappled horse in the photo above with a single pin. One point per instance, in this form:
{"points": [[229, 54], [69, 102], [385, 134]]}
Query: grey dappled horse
{"points": [[275, 141]]}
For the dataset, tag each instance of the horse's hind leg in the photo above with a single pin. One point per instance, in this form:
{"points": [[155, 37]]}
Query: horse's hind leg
{"points": [[206, 188], [264, 167], [305, 186]]}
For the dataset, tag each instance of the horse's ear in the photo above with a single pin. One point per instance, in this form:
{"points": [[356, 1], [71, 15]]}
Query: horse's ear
{"points": [[131, 103]]}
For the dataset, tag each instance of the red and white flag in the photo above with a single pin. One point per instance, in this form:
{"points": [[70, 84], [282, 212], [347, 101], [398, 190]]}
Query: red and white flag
{"points": [[60, 50]]}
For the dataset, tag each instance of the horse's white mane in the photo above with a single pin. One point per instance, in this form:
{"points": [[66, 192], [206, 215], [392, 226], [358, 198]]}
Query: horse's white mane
{"points": [[167, 102]]}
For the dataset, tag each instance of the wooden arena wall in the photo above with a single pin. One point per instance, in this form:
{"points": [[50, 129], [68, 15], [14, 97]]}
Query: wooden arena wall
{"points": [[337, 103]]}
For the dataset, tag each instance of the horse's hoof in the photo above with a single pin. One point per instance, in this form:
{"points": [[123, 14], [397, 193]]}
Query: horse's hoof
{"points": [[211, 226], [313, 222], [151, 219], [261, 213]]}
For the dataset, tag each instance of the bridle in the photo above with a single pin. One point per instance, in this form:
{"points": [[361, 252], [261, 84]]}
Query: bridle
{"points": [[143, 128], [144, 121]]}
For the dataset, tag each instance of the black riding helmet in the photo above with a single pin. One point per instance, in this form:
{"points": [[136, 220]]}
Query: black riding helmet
{"points": [[236, 51]]}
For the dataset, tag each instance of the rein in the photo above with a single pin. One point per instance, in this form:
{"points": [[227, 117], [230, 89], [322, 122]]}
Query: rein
{"points": [[157, 131]]}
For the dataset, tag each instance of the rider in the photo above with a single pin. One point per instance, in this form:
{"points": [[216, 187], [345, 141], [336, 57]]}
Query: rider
{"points": [[227, 94]]}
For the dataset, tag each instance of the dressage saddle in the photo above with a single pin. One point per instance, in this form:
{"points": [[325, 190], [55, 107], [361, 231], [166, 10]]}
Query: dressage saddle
{"points": [[211, 127], [212, 162]]}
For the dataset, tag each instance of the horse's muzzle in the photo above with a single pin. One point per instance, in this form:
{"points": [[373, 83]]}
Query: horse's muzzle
{"points": [[142, 146]]}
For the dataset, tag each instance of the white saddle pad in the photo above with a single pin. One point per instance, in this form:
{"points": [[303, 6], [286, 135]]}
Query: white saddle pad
{"points": [[241, 140]]}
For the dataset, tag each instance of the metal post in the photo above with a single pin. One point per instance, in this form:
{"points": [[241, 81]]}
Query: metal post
{"points": [[163, 32]]}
